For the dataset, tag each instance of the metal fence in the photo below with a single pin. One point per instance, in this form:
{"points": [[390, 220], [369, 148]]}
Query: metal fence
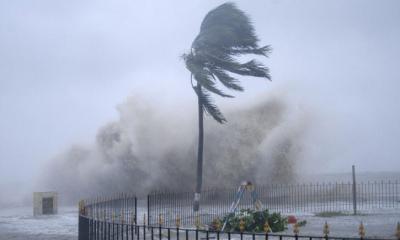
{"points": [[170, 215], [92, 229], [116, 219], [289, 198], [117, 208]]}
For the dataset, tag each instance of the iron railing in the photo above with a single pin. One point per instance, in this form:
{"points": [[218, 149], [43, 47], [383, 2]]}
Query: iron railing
{"points": [[118, 208], [284, 198], [92, 229], [170, 215]]}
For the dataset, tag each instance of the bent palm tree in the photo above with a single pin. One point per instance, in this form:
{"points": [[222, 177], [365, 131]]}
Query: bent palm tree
{"points": [[225, 33]]}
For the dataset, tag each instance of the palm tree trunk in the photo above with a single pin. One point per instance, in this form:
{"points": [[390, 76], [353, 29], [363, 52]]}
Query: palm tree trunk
{"points": [[199, 180]]}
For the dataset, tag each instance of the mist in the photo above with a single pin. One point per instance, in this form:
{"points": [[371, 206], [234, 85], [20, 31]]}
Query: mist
{"points": [[149, 149]]}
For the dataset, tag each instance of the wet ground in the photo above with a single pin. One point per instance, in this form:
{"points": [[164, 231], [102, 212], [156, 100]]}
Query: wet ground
{"points": [[378, 224]]}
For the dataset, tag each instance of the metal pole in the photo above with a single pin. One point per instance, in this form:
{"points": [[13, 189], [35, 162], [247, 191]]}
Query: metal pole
{"points": [[148, 210], [83, 228], [354, 190], [135, 220]]}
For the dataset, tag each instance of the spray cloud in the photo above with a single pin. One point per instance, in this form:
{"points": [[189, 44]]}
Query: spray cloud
{"points": [[148, 149]]}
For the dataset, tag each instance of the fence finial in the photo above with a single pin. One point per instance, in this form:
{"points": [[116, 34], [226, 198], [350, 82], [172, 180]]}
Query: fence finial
{"points": [[326, 229], [218, 224], [160, 220], [267, 228], [296, 229], [197, 222], [398, 230], [178, 221], [88, 213], [82, 207], [361, 230], [241, 225]]}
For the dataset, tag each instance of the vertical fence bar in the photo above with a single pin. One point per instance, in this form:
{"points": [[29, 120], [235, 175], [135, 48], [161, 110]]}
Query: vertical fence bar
{"points": [[117, 233], [135, 214], [396, 190], [122, 231], [83, 228], [97, 227], [132, 231], [354, 190], [383, 193], [101, 229], [109, 230], [148, 210], [90, 229], [127, 231], [370, 195]]}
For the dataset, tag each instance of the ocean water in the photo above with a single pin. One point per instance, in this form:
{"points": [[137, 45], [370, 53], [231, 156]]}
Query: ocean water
{"points": [[18, 223]]}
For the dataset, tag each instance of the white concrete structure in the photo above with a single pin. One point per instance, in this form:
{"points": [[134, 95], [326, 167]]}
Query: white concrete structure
{"points": [[45, 203]]}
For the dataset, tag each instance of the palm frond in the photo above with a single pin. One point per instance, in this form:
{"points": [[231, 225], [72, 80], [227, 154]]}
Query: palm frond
{"points": [[203, 76], [227, 80], [264, 51], [225, 33], [226, 26], [228, 63], [209, 106]]}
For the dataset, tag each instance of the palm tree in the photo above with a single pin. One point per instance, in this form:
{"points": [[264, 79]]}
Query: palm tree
{"points": [[225, 34]]}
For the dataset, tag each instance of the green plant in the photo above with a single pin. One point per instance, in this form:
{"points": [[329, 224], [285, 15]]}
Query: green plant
{"points": [[302, 223], [254, 221]]}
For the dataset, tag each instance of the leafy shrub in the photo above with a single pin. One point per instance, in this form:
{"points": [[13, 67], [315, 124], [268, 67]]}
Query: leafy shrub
{"points": [[301, 223], [254, 221]]}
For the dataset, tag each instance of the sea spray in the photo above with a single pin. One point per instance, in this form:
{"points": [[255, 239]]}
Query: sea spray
{"points": [[148, 149]]}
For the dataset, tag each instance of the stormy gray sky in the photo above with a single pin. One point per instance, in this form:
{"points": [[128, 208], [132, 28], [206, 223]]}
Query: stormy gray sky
{"points": [[66, 65]]}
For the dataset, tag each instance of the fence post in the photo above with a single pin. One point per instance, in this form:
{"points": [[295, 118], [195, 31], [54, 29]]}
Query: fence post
{"points": [[83, 228], [148, 210], [136, 222], [354, 190]]}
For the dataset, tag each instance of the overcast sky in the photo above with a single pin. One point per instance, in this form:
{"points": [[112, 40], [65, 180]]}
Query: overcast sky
{"points": [[66, 65]]}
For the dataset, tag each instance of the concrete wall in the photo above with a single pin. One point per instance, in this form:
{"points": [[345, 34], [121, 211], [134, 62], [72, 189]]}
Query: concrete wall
{"points": [[38, 202]]}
